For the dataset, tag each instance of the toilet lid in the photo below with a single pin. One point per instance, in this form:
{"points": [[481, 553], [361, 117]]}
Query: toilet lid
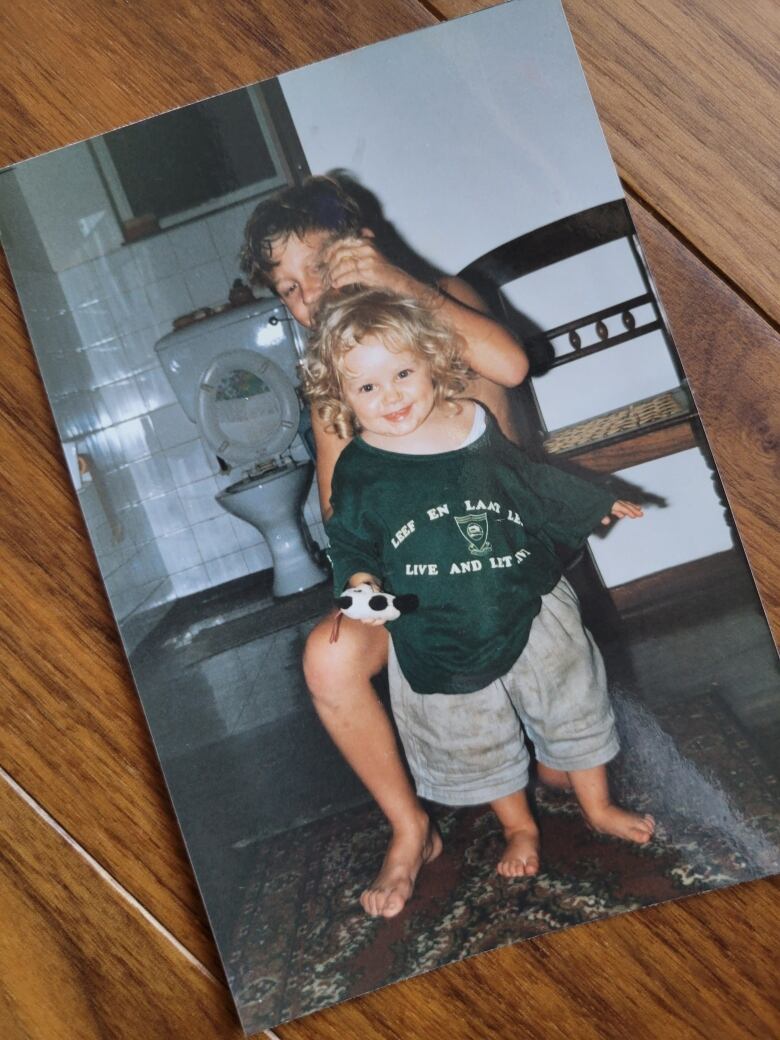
{"points": [[247, 407]]}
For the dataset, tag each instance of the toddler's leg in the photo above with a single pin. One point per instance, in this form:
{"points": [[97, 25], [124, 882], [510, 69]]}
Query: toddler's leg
{"points": [[592, 790], [557, 778], [521, 855], [339, 678]]}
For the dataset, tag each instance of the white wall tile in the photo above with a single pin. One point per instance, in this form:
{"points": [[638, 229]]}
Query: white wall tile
{"points": [[192, 244], [120, 488], [119, 273], [106, 447], [161, 593], [155, 258], [132, 311], [57, 334], [94, 448], [179, 551], [135, 524], [144, 567], [227, 228], [125, 599], [226, 568], [185, 583], [169, 298], [63, 373], [121, 400], [231, 268], [199, 500], [172, 426], [155, 388], [133, 440], [151, 476], [76, 415], [106, 363], [166, 514], [215, 537], [82, 285], [139, 346], [189, 462], [92, 509], [95, 322], [207, 284]]}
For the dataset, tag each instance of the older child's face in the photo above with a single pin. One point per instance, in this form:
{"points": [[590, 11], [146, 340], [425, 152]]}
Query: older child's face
{"points": [[391, 394], [297, 278]]}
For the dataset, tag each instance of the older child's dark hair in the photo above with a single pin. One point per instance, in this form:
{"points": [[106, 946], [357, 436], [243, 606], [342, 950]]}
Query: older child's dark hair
{"points": [[319, 204]]}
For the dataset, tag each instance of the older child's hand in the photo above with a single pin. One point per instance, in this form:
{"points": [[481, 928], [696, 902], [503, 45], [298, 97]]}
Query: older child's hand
{"points": [[357, 261], [622, 509]]}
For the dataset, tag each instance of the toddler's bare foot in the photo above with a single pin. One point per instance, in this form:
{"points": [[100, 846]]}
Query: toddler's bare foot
{"points": [[394, 883], [521, 855], [557, 778], [622, 824]]}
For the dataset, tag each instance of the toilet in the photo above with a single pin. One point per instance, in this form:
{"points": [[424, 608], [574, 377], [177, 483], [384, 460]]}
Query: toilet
{"points": [[234, 373]]}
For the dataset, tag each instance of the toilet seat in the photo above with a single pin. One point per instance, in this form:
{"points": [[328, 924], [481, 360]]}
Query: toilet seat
{"points": [[247, 408]]}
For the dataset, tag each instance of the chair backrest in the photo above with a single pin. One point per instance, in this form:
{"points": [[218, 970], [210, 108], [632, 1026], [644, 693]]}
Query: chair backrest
{"points": [[560, 240]]}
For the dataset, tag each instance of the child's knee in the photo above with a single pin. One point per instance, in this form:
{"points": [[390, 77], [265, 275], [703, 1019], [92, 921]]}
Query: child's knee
{"points": [[353, 659]]}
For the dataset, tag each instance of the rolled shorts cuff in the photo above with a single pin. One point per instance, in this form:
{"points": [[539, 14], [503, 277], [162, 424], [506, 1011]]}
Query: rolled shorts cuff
{"points": [[486, 791], [588, 761]]}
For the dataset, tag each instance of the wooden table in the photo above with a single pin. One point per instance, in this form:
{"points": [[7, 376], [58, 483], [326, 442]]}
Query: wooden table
{"points": [[103, 933]]}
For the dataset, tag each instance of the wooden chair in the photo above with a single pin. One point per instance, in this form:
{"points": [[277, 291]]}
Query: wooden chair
{"points": [[635, 432]]}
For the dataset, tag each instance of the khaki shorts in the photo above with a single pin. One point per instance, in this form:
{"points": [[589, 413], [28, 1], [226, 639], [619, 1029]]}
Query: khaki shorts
{"points": [[466, 749]]}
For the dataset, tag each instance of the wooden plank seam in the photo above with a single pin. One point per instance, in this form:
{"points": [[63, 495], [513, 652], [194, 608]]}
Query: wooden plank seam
{"points": [[104, 875], [635, 194]]}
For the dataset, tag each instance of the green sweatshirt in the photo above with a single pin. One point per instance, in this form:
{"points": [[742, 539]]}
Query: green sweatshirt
{"points": [[471, 533]]}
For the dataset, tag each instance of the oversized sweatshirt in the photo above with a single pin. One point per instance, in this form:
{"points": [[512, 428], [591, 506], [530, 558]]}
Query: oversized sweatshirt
{"points": [[470, 532]]}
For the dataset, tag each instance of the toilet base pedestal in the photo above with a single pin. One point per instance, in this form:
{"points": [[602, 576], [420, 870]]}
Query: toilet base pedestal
{"points": [[272, 504]]}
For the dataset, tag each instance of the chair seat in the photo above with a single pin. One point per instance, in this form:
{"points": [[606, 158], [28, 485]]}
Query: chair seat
{"points": [[630, 420]]}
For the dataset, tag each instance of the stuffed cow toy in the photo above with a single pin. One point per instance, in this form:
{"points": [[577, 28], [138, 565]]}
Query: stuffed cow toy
{"points": [[363, 602]]}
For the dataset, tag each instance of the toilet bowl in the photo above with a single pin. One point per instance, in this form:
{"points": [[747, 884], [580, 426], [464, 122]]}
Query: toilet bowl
{"points": [[235, 376], [272, 503]]}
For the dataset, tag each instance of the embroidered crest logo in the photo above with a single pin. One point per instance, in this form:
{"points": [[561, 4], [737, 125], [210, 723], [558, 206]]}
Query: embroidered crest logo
{"points": [[474, 529]]}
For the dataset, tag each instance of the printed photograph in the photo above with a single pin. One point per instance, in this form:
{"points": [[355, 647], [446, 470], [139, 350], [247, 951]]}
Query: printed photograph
{"points": [[429, 587]]}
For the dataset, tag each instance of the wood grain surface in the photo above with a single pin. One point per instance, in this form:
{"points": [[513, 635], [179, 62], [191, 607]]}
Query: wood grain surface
{"points": [[103, 933], [690, 88]]}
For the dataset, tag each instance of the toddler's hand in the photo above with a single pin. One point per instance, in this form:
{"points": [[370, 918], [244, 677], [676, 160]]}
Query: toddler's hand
{"points": [[623, 509]]}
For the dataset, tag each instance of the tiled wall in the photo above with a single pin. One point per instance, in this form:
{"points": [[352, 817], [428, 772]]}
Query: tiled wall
{"points": [[149, 496]]}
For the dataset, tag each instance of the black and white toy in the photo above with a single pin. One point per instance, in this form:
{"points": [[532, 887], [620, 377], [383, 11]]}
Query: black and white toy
{"points": [[364, 603]]}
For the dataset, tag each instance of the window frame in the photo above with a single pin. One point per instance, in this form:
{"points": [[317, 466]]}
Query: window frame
{"points": [[124, 212]]}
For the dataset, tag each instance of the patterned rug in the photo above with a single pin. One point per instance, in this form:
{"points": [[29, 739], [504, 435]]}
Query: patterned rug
{"points": [[303, 943]]}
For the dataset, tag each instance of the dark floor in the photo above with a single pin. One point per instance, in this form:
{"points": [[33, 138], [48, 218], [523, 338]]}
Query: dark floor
{"points": [[245, 756]]}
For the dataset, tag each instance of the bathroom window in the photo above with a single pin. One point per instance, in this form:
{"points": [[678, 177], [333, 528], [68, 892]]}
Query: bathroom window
{"points": [[192, 161]]}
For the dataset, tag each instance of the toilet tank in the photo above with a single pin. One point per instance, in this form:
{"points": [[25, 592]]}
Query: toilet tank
{"points": [[263, 325]]}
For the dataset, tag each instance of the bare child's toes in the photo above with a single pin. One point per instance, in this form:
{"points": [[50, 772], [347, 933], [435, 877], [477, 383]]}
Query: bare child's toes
{"points": [[645, 828], [386, 902], [621, 823], [521, 855]]}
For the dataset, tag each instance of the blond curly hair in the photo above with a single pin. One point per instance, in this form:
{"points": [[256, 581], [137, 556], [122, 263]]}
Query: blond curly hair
{"points": [[345, 318]]}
